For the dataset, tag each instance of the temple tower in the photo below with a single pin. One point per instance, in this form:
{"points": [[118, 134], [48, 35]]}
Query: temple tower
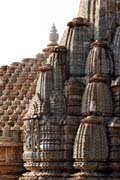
{"points": [[44, 123], [72, 123], [100, 103]]}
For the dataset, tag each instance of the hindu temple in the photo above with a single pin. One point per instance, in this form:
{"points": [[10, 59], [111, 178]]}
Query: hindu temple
{"points": [[60, 111]]}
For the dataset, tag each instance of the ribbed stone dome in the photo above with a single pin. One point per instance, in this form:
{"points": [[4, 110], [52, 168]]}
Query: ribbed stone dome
{"points": [[97, 97], [91, 144], [77, 41], [99, 60]]}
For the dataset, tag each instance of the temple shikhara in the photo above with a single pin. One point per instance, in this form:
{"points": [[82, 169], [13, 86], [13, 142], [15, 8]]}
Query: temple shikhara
{"points": [[60, 111]]}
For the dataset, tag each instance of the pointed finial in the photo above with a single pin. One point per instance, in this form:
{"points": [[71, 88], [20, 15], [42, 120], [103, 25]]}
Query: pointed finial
{"points": [[53, 36]]}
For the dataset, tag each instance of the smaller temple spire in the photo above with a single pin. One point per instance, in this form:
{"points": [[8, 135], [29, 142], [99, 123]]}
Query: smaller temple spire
{"points": [[53, 36]]}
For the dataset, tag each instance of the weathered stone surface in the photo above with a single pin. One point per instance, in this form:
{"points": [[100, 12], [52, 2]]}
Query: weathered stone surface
{"points": [[102, 16], [40, 102], [77, 42], [71, 124], [43, 154], [73, 90]]}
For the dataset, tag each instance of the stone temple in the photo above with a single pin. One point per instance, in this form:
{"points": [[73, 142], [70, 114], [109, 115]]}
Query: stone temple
{"points": [[60, 112]]}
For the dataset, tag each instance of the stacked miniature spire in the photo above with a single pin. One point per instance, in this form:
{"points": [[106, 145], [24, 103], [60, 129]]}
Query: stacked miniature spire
{"points": [[75, 112], [96, 149], [43, 124]]}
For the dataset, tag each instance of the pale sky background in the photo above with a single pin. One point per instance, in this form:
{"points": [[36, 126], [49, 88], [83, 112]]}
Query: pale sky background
{"points": [[25, 26]]}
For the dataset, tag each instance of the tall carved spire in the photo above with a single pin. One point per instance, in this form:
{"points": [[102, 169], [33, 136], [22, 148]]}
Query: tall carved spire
{"points": [[103, 16], [75, 112], [40, 102], [57, 99], [44, 123]]}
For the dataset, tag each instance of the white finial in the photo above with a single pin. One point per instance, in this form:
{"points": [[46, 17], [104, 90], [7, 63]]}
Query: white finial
{"points": [[53, 36]]}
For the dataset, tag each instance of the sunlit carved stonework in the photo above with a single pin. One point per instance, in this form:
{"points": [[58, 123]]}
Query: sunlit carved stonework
{"points": [[60, 112]]}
